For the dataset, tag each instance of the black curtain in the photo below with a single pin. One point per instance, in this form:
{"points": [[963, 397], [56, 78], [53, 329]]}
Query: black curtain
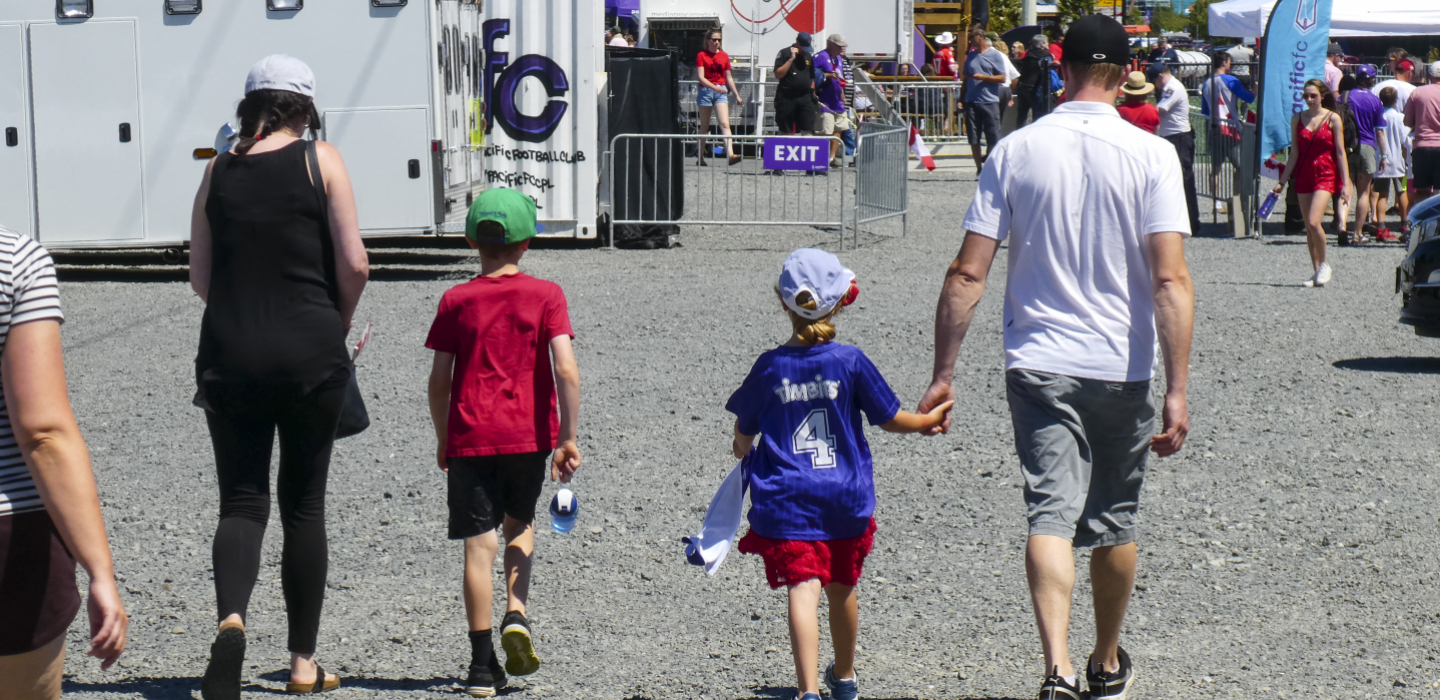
{"points": [[645, 99], [980, 13]]}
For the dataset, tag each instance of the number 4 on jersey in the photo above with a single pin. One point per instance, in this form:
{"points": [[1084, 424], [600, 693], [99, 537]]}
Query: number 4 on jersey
{"points": [[814, 438]]}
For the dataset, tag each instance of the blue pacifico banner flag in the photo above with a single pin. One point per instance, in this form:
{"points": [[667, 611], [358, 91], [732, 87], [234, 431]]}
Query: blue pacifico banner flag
{"points": [[1293, 51]]}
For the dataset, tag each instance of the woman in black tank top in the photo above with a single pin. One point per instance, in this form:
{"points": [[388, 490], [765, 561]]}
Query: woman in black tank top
{"points": [[280, 283]]}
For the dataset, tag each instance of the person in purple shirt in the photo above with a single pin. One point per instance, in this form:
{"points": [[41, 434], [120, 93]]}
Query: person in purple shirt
{"points": [[1369, 113], [830, 86], [811, 479]]}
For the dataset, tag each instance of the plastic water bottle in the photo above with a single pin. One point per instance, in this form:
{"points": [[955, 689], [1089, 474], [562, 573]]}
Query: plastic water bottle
{"points": [[564, 511], [1269, 204]]}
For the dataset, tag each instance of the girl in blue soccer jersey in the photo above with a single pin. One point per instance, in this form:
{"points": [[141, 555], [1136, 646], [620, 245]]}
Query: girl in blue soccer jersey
{"points": [[812, 487]]}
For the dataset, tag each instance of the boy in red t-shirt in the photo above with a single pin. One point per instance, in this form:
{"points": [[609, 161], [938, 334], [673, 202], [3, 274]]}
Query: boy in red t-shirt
{"points": [[492, 398]]}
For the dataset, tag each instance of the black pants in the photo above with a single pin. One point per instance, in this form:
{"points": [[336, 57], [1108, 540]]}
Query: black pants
{"points": [[242, 427], [1025, 109], [1185, 146]]}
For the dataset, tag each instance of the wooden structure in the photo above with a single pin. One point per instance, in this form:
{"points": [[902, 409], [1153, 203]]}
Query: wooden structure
{"points": [[937, 17]]}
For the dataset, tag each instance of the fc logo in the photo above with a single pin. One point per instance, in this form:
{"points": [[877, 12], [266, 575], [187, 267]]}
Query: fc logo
{"points": [[500, 105]]}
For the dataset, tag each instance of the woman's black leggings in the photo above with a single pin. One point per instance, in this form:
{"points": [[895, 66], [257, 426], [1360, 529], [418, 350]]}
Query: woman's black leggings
{"points": [[243, 429]]}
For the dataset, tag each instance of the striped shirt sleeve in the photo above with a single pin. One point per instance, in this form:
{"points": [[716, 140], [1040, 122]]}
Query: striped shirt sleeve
{"points": [[28, 293], [36, 296]]}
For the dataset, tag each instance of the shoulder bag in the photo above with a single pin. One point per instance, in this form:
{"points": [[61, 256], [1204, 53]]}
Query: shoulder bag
{"points": [[354, 419]]}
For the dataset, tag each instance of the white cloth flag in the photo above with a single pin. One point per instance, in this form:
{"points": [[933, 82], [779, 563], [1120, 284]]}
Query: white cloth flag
{"points": [[722, 521]]}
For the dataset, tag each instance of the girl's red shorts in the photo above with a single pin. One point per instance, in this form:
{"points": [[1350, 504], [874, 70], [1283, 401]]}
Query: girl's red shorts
{"points": [[790, 562]]}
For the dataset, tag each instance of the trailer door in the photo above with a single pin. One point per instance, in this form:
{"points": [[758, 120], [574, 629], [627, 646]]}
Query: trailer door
{"points": [[387, 152], [87, 132], [15, 193]]}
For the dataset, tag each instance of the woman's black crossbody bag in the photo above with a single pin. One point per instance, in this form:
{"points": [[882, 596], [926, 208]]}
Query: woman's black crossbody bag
{"points": [[354, 419]]}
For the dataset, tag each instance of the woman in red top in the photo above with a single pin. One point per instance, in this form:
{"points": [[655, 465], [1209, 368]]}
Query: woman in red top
{"points": [[1136, 109], [712, 66], [1317, 163]]}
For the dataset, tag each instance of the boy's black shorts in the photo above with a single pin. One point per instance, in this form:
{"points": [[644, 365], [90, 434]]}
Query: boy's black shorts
{"points": [[483, 490]]}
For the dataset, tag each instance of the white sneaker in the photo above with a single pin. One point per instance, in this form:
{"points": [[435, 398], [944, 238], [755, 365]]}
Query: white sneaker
{"points": [[1310, 282], [1322, 276]]}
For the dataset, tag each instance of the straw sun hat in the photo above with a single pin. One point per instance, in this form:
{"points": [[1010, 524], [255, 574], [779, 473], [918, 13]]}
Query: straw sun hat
{"points": [[1136, 85]]}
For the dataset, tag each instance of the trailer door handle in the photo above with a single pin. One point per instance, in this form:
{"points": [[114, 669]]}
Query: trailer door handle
{"points": [[414, 169], [12, 136], [125, 132]]}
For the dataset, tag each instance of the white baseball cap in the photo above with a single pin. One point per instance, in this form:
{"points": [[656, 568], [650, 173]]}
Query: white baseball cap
{"points": [[281, 72], [819, 273]]}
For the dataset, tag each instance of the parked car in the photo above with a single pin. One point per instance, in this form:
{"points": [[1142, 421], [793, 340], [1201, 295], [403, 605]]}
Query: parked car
{"points": [[1417, 278]]}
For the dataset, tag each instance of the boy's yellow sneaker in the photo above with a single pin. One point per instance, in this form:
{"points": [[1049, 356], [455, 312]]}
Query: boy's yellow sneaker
{"points": [[520, 658]]}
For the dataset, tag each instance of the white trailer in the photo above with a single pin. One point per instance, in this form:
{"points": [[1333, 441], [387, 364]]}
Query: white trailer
{"points": [[874, 29], [111, 108]]}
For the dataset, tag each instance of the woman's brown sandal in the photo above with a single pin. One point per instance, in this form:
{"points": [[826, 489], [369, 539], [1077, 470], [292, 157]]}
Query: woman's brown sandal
{"points": [[322, 684]]}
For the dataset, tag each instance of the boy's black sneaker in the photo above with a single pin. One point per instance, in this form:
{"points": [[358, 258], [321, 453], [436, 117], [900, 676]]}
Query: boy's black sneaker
{"points": [[1055, 688], [520, 658], [1110, 686], [485, 681]]}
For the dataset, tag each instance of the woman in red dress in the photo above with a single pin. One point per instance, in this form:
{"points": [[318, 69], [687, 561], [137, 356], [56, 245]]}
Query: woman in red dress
{"points": [[1318, 166]]}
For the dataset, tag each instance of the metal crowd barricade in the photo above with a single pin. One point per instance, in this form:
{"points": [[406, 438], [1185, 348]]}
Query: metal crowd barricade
{"points": [[749, 118], [931, 106], [680, 191], [1225, 169], [657, 179], [879, 107], [881, 177]]}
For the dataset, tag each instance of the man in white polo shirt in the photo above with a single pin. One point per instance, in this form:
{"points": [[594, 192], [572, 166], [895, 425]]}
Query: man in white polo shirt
{"points": [[1096, 275]]}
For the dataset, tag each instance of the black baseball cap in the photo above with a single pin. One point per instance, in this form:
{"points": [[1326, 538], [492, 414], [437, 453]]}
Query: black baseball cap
{"points": [[1097, 39]]}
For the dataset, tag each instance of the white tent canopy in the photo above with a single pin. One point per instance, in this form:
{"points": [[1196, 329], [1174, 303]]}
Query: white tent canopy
{"points": [[1247, 18]]}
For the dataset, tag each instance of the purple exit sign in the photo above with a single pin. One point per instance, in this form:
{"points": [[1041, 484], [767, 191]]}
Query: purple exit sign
{"points": [[797, 153]]}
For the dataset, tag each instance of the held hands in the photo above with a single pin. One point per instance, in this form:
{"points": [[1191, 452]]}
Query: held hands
{"points": [[108, 621], [564, 462], [937, 395], [1176, 418], [938, 418]]}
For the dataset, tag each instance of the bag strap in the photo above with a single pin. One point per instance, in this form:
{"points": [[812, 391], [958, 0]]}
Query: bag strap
{"points": [[312, 158]]}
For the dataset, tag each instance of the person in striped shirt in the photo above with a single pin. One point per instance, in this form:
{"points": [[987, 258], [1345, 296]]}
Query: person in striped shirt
{"points": [[49, 506]]}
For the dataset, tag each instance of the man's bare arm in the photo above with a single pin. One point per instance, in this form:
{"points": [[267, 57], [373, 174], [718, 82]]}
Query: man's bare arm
{"points": [[1175, 324], [960, 294]]}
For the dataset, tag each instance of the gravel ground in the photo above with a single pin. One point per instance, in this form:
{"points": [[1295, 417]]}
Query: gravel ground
{"points": [[1287, 552]]}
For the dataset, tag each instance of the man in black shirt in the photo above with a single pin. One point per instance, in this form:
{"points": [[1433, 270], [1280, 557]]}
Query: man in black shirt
{"points": [[1163, 51], [1032, 94], [796, 107]]}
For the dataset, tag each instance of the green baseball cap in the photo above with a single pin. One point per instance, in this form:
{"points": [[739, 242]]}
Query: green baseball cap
{"points": [[510, 208]]}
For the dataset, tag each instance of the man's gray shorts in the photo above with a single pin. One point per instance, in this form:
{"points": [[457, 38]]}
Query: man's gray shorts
{"points": [[1082, 445]]}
